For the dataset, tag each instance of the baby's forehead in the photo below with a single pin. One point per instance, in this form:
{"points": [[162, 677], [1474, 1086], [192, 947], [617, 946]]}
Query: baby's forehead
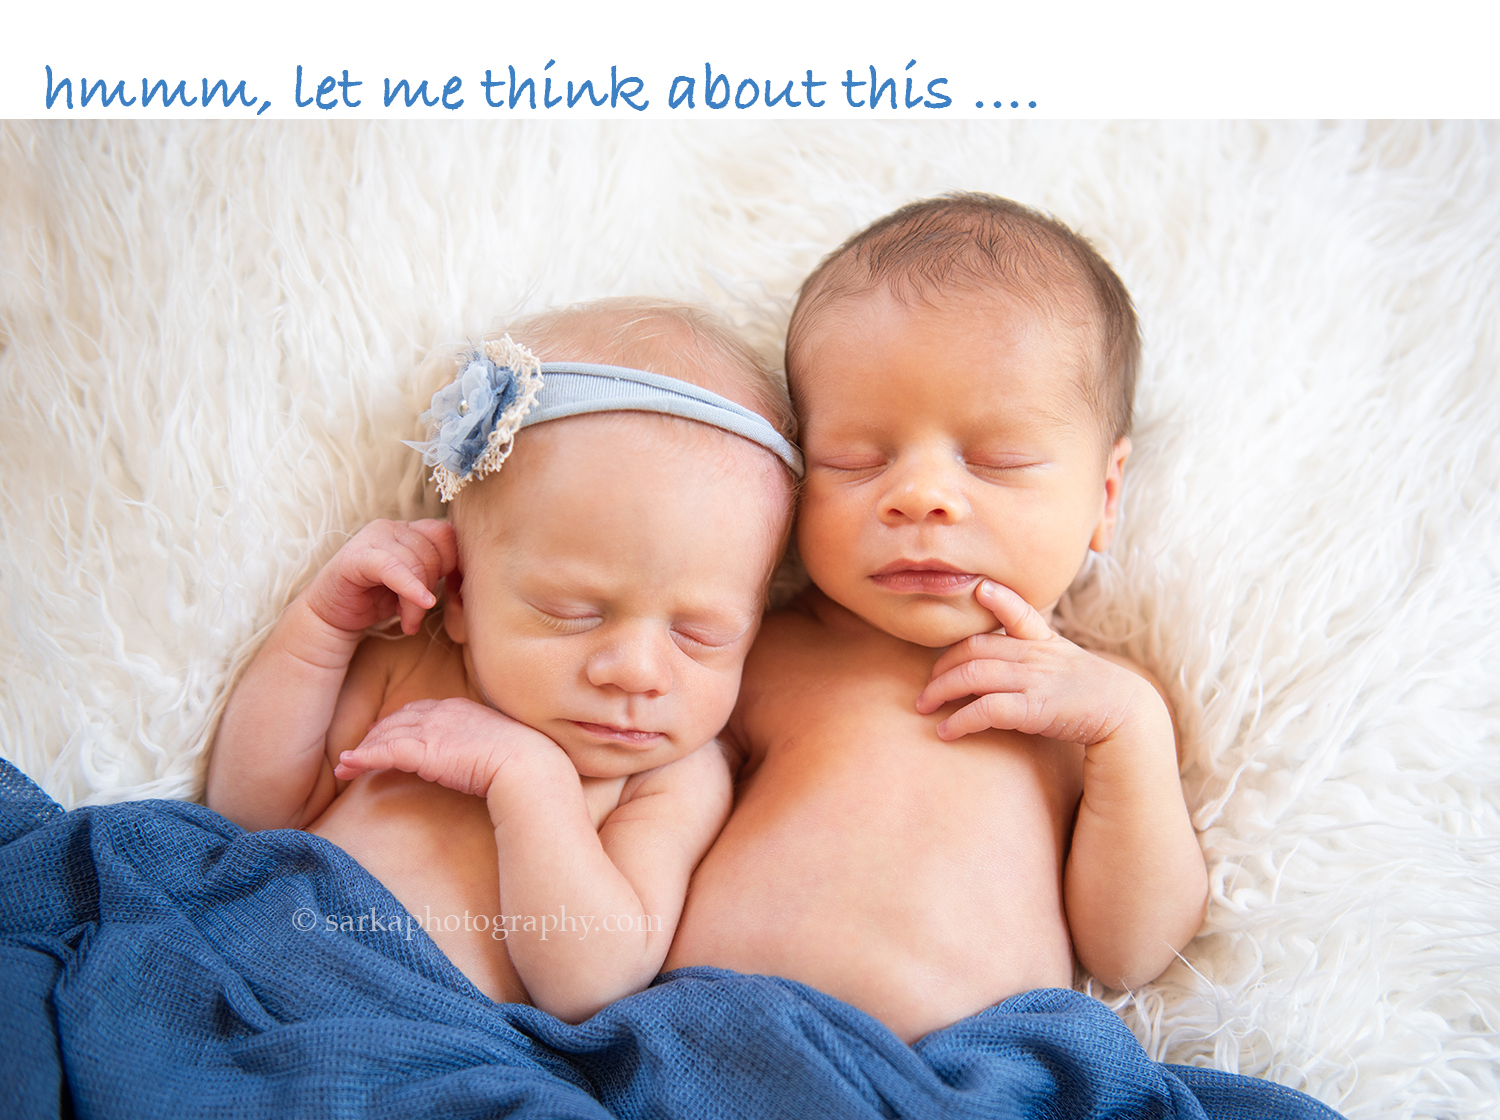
{"points": [[622, 460], [1061, 314], [959, 325]]}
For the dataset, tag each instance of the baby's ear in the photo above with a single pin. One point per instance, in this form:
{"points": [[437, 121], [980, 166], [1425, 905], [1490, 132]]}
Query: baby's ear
{"points": [[453, 607], [1114, 484]]}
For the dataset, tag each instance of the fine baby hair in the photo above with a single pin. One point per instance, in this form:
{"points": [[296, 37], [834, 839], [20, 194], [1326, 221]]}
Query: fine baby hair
{"points": [[979, 243]]}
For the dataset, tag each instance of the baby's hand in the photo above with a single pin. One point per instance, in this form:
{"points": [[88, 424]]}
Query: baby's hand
{"points": [[455, 743], [388, 567], [1031, 680]]}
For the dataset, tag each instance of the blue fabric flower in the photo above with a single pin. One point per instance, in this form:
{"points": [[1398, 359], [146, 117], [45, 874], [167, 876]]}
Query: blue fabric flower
{"points": [[465, 412]]}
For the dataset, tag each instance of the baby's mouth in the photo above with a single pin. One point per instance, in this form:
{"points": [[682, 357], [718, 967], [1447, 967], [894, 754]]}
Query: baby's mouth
{"points": [[924, 577], [630, 736]]}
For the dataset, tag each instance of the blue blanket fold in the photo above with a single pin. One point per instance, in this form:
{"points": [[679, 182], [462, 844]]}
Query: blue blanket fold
{"points": [[158, 960]]}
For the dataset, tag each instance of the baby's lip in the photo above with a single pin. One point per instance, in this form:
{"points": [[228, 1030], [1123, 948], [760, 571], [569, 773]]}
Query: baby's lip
{"points": [[630, 736], [905, 565], [924, 577]]}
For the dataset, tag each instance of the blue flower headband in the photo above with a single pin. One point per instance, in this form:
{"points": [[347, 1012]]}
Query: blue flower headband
{"points": [[502, 388]]}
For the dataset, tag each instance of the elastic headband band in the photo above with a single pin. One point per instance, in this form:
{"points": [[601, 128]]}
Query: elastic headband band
{"points": [[502, 388], [573, 388]]}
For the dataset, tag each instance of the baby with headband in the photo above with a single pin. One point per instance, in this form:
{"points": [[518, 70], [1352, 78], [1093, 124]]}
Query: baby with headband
{"points": [[535, 777], [941, 799]]}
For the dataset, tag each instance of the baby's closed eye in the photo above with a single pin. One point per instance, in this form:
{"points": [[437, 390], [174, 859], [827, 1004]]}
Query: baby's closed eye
{"points": [[566, 619], [852, 464], [706, 634], [1002, 466]]}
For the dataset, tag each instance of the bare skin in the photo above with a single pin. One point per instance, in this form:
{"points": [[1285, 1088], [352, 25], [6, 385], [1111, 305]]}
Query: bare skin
{"points": [[942, 801], [868, 858], [550, 748], [434, 847]]}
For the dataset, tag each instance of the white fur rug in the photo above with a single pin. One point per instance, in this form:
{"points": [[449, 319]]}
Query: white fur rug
{"points": [[206, 337]]}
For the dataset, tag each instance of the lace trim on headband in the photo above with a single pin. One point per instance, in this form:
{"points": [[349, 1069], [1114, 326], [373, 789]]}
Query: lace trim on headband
{"points": [[472, 423]]}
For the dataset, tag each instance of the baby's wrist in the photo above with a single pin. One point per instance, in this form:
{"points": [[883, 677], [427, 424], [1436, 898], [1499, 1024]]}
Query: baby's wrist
{"points": [[304, 634], [532, 766], [311, 595], [1145, 723]]}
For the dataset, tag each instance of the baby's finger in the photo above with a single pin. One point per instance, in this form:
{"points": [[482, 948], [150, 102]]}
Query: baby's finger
{"points": [[440, 535], [426, 547], [402, 721], [351, 765], [401, 571], [414, 598], [1019, 617], [411, 615], [393, 753], [972, 678], [400, 741], [1006, 711], [994, 647], [398, 572]]}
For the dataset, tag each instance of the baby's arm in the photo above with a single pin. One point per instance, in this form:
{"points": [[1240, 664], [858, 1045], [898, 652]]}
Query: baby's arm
{"points": [[269, 768], [1135, 885], [630, 874]]}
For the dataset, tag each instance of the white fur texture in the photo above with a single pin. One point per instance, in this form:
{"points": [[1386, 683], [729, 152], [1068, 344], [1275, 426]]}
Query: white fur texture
{"points": [[206, 343]]}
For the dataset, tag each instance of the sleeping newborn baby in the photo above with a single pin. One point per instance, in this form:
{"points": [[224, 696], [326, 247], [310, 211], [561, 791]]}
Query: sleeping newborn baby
{"points": [[541, 775], [941, 800]]}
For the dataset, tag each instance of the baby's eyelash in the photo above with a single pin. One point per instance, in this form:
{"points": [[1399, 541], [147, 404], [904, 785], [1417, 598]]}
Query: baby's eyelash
{"points": [[699, 643], [719, 639], [566, 624], [851, 467], [1000, 467]]}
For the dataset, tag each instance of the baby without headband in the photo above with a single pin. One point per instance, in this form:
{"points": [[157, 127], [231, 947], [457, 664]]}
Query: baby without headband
{"points": [[502, 387]]}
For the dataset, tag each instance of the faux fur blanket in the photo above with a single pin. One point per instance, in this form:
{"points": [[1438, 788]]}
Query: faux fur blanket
{"points": [[206, 340]]}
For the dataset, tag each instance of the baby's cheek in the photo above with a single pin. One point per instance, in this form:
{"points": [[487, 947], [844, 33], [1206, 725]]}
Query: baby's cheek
{"points": [[710, 701]]}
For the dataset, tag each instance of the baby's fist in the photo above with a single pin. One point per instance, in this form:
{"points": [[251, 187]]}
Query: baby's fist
{"points": [[388, 567]]}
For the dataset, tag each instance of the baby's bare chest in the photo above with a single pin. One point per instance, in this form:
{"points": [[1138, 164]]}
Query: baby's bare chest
{"points": [[832, 730], [916, 878]]}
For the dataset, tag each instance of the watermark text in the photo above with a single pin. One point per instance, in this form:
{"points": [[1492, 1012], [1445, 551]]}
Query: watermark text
{"points": [[498, 926]]}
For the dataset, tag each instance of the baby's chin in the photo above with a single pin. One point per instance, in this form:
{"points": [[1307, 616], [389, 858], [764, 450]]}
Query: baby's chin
{"points": [[935, 623], [595, 760]]}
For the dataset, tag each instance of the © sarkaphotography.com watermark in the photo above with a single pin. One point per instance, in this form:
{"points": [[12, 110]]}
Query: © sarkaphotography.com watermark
{"points": [[498, 926]]}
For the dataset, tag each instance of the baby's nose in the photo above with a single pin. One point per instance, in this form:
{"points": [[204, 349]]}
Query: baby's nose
{"points": [[925, 489], [634, 659]]}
